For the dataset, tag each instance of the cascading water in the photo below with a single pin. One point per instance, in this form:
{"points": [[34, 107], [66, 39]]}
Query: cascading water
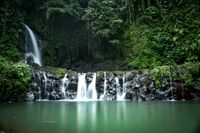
{"points": [[45, 86], [124, 88], [137, 77], [82, 87], [85, 93], [134, 85], [105, 83], [64, 86], [35, 54], [121, 94], [118, 88], [92, 93], [171, 87], [104, 87]]}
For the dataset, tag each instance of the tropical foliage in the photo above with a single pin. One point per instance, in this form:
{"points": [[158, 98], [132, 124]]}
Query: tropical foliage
{"points": [[14, 81]]}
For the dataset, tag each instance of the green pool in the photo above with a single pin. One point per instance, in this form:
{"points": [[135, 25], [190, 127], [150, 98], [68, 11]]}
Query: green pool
{"points": [[100, 117]]}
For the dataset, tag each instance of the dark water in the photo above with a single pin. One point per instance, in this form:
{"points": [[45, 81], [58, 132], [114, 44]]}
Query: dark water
{"points": [[100, 117]]}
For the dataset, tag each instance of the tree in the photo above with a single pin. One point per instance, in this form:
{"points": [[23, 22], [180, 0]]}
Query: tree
{"points": [[61, 6], [10, 28], [104, 20]]}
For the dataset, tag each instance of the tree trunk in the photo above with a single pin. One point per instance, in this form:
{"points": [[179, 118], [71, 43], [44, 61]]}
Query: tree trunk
{"points": [[130, 14], [142, 5], [5, 16], [149, 3]]}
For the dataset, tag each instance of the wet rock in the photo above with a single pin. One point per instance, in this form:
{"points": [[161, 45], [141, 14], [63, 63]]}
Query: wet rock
{"points": [[159, 95], [50, 76], [138, 86], [129, 95], [30, 96], [73, 86], [53, 96]]}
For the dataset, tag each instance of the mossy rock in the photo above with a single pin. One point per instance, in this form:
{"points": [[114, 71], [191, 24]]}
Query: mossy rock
{"points": [[100, 73], [60, 72], [188, 73]]}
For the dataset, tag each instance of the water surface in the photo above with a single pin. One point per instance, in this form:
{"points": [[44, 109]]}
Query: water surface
{"points": [[100, 117]]}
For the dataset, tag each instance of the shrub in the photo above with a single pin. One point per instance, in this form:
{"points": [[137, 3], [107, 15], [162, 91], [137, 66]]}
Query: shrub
{"points": [[14, 81]]}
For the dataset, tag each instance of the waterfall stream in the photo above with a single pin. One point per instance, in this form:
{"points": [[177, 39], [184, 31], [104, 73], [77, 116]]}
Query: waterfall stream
{"points": [[171, 87], [64, 85], [84, 92], [82, 87], [35, 53], [46, 93], [104, 87], [121, 91], [92, 93]]}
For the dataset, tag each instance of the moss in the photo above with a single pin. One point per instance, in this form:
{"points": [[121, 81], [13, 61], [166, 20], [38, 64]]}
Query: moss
{"points": [[59, 72], [159, 73], [187, 74], [34, 66], [100, 73]]}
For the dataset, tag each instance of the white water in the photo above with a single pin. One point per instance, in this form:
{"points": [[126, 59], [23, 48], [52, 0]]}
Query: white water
{"points": [[124, 88], [35, 54], [92, 93], [45, 85], [39, 91], [137, 78], [118, 89], [64, 85], [121, 94], [82, 87], [85, 93], [104, 87]]}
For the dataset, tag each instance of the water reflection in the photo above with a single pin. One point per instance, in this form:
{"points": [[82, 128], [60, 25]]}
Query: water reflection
{"points": [[101, 117], [90, 115], [86, 116]]}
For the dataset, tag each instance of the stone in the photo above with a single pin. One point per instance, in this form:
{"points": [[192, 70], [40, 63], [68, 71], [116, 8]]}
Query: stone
{"points": [[139, 86], [30, 96]]}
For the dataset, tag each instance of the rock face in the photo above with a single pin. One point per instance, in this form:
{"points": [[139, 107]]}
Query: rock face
{"points": [[119, 85]]}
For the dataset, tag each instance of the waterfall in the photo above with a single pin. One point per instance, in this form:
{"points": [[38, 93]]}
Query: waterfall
{"points": [[39, 93], [64, 86], [35, 54], [124, 87], [104, 84], [92, 93], [121, 93], [171, 87], [45, 86], [82, 87], [118, 88], [104, 87], [85, 93]]}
